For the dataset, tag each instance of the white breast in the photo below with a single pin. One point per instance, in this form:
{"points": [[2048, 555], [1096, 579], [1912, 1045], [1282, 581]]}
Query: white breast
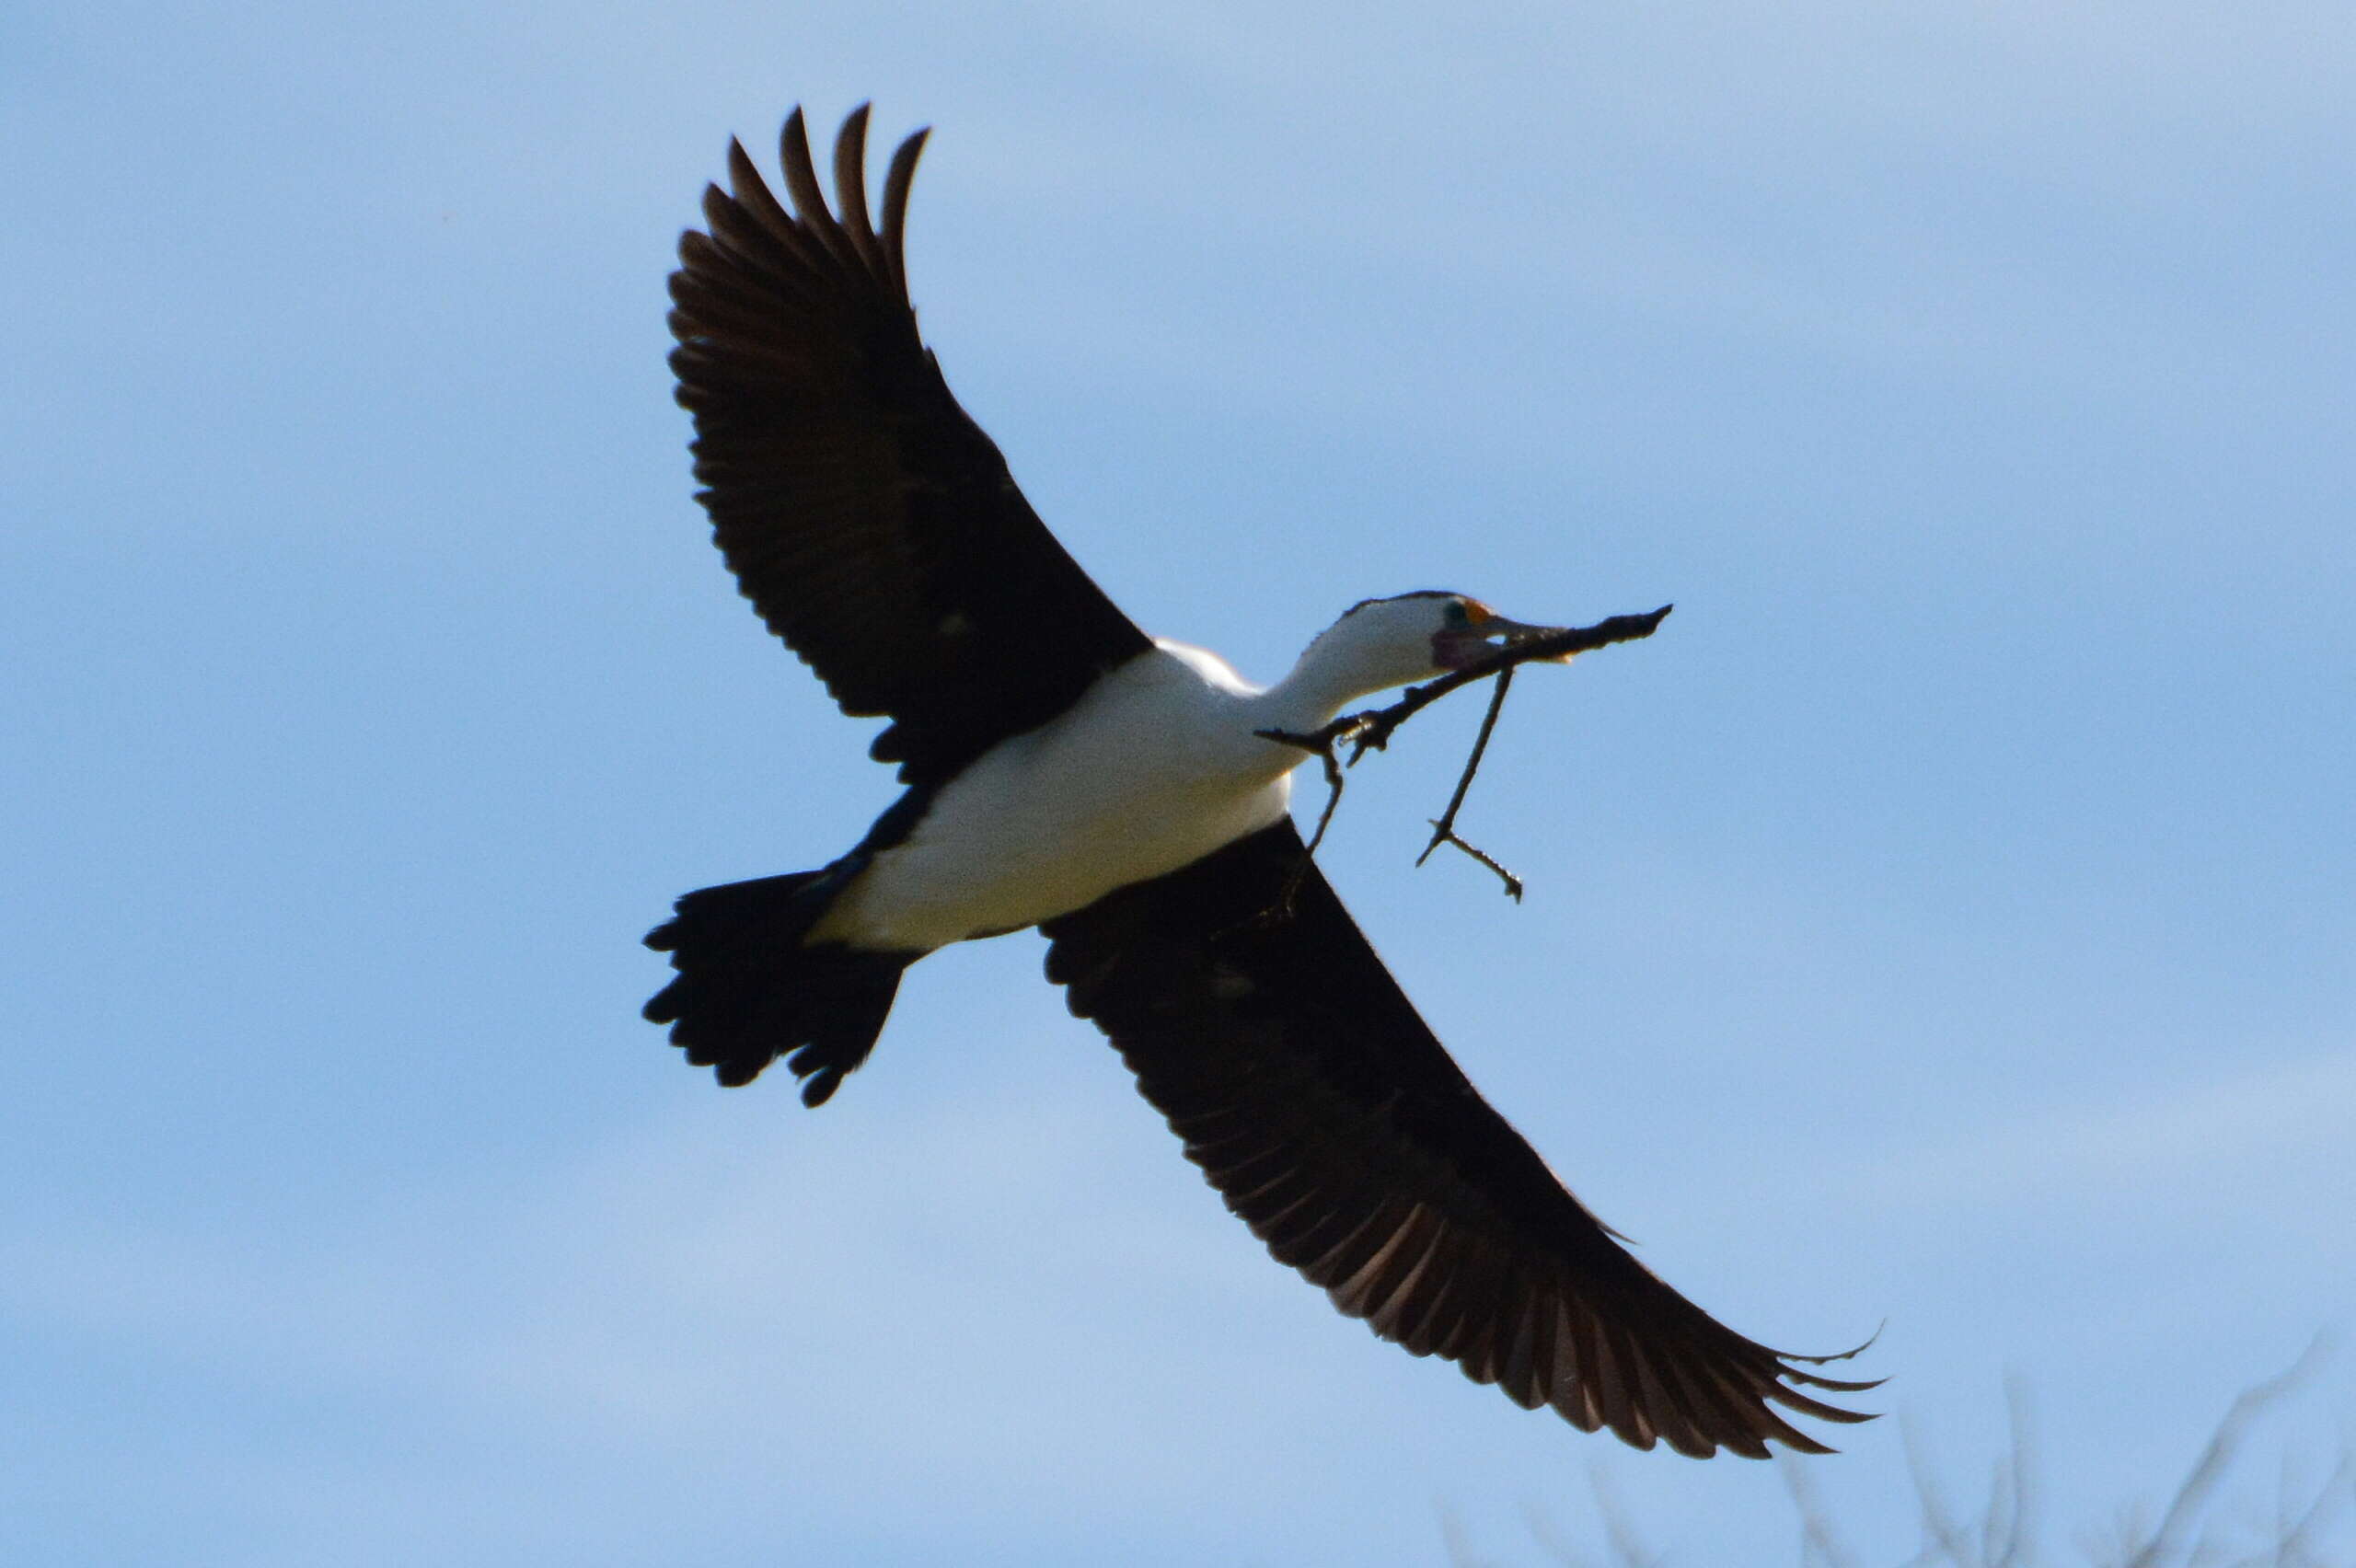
{"points": [[1153, 768]]}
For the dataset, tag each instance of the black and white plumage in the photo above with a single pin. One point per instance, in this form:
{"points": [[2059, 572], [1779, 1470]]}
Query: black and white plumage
{"points": [[1065, 771]]}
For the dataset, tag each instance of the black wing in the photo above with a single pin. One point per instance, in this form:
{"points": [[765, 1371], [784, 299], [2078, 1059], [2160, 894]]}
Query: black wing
{"points": [[1336, 1125], [865, 516]]}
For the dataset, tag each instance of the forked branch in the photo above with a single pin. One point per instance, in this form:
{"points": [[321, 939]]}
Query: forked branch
{"points": [[1444, 828]]}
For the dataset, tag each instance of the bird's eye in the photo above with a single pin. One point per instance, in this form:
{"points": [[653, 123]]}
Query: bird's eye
{"points": [[1456, 614]]}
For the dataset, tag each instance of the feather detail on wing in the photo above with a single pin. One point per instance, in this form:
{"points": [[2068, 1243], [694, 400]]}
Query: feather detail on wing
{"points": [[1335, 1125], [870, 520]]}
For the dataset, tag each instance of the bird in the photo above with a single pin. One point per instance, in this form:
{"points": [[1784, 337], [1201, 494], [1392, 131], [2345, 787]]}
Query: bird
{"points": [[1064, 771]]}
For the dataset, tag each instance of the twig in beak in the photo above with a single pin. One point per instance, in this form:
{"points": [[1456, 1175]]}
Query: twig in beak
{"points": [[1371, 729]]}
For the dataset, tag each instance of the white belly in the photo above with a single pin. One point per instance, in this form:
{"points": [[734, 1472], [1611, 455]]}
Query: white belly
{"points": [[1155, 768]]}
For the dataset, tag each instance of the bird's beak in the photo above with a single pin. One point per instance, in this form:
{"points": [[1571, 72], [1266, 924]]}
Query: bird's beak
{"points": [[1485, 635], [1497, 631]]}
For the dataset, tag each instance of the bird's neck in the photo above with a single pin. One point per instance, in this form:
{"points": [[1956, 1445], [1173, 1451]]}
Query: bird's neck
{"points": [[1319, 688]]}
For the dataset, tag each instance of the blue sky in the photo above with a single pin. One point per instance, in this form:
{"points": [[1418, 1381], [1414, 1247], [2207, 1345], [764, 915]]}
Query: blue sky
{"points": [[1945, 922]]}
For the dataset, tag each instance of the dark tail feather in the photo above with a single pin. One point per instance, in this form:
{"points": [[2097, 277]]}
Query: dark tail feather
{"points": [[749, 991]]}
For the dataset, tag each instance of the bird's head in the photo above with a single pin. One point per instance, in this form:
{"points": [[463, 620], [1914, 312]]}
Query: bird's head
{"points": [[1380, 643]]}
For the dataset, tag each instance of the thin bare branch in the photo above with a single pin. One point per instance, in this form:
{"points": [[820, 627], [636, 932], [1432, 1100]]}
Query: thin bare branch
{"points": [[1948, 1542], [1542, 1529], [1456, 1540], [1444, 828], [2291, 1550], [1819, 1542], [2210, 1467], [2019, 1527], [1627, 1547], [1333, 798]]}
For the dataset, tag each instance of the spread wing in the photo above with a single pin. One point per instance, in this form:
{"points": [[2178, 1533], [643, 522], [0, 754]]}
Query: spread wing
{"points": [[1336, 1125], [869, 520]]}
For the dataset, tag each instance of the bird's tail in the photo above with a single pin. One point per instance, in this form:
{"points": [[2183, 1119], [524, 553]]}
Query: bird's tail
{"points": [[750, 989]]}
